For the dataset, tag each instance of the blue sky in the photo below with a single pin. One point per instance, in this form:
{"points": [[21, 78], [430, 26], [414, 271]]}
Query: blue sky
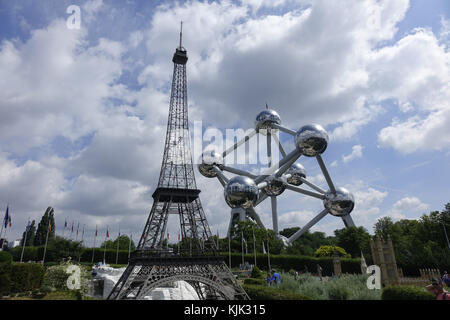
{"points": [[83, 112]]}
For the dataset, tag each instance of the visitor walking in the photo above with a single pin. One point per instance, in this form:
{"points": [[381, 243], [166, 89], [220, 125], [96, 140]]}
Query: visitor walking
{"points": [[446, 278], [437, 288], [276, 278], [269, 279]]}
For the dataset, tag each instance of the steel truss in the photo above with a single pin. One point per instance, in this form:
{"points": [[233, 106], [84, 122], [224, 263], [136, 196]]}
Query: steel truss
{"points": [[151, 265]]}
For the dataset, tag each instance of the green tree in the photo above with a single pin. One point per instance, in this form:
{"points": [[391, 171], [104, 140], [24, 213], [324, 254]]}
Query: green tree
{"points": [[354, 240], [124, 243], [328, 251], [41, 232], [30, 235]]}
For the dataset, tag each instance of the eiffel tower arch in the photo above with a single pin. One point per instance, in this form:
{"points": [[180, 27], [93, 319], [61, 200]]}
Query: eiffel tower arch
{"points": [[151, 265]]}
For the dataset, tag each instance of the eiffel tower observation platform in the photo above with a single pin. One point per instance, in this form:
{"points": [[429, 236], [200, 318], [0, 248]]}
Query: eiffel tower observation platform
{"points": [[177, 195]]}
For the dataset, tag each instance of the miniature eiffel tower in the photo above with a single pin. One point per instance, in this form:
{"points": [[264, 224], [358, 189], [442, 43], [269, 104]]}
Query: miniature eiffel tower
{"points": [[152, 265]]}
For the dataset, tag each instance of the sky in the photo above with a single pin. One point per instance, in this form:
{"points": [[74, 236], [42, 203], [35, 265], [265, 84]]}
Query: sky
{"points": [[83, 111]]}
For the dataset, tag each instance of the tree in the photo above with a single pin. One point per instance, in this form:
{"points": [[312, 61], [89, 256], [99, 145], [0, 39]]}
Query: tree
{"points": [[328, 251], [29, 235], [124, 243], [41, 232], [354, 240]]}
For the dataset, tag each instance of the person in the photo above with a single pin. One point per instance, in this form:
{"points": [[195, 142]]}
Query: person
{"points": [[437, 288], [296, 275], [276, 278], [446, 278], [269, 279]]}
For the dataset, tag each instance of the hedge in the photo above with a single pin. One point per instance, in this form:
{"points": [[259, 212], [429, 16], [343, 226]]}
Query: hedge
{"points": [[288, 262], [20, 277], [406, 293], [255, 281], [5, 257], [63, 295], [52, 255], [284, 262], [257, 292]]}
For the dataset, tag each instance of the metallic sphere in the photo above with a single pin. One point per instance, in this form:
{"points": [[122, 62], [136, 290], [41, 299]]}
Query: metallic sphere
{"points": [[275, 187], [311, 140], [265, 119], [296, 171], [339, 204], [208, 160], [285, 240], [241, 191]]}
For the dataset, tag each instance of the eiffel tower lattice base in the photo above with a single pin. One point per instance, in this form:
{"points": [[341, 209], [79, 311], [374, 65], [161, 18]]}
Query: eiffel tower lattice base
{"points": [[209, 276]]}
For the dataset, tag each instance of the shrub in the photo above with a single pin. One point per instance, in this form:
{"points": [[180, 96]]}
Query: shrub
{"points": [[257, 292], [56, 277], [5, 279], [287, 262], [337, 291], [256, 281], [327, 251], [347, 287], [63, 295], [20, 277], [5, 257], [256, 273], [26, 276], [406, 293]]}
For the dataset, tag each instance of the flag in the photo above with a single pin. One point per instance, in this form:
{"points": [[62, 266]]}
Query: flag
{"points": [[28, 226], [107, 233], [72, 226], [96, 231], [78, 226], [6, 219], [65, 224], [9, 220], [264, 248], [49, 227], [179, 237], [168, 236]]}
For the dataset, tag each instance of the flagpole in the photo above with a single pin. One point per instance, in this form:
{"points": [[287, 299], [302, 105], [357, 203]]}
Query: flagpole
{"points": [[229, 249], [4, 221], [25, 241], [78, 227], [218, 249], [46, 239], [242, 247], [268, 254], [254, 244], [104, 251], [93, 248], [129, 246], [117, 251], [82, 239]]}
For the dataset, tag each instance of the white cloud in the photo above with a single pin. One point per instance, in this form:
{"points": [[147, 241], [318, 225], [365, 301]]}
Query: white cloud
{"points": [[416, 72], [407, 208], [356, 153]]}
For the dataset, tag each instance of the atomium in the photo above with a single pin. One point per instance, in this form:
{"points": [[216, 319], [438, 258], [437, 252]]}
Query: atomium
{"points": [[208, 160], [245, 191], [241, 192]]}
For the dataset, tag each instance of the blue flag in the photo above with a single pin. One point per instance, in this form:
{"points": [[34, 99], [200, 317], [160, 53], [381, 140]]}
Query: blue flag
{"points": [[7, 218]]}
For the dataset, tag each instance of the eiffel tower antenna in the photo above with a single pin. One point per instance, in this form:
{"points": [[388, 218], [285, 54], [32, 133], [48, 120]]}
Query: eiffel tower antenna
{"points": [[197, 262], [181, 33]]}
